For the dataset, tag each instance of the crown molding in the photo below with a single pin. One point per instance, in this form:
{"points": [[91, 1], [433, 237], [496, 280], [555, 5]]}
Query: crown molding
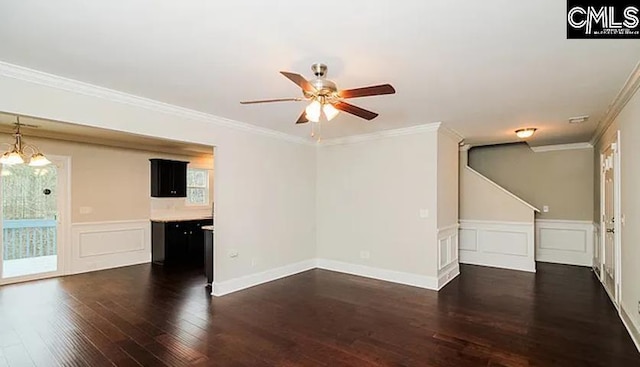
{"points": [[551, 148], [452, 133], [75, 86], [430, 127], [624, 95]]}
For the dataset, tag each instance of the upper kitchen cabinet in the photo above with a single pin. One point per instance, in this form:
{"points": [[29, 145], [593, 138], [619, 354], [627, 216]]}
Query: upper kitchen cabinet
{"points": [[168, 178]]}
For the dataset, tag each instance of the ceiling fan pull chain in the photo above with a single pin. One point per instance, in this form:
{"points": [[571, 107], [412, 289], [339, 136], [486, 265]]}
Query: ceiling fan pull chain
{"points": [[313, 129]]}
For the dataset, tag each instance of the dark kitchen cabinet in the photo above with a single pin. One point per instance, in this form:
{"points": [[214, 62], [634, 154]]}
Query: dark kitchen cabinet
{"points": [[168, 178], [178, 242]]}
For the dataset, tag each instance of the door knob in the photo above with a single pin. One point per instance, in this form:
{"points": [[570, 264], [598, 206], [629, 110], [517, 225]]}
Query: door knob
{"points": [[611, 230]]}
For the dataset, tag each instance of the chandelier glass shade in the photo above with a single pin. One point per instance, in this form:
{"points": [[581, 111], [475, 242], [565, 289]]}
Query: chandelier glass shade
{"points": [[17, 155]]}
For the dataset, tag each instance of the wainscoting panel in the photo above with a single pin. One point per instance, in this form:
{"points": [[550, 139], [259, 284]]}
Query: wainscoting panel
{"points": [[103, 245], [565, 242], [448, 267], [508, 245], [468, 239], [504, 241]]}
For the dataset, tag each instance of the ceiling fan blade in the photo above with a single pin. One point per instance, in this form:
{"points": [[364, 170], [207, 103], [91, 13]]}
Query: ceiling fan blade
{"points": [[303, 118], [300, 81], [355, 110], [272, 100], [374, 90]]}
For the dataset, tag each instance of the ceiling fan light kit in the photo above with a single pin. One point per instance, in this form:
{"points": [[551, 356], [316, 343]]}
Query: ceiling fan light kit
{"points": [[329, 111], [313, 111], [325, 97]]}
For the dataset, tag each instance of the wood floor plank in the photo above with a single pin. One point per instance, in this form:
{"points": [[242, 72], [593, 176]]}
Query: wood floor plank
{"points": [[37, 348], [147, 315], [17, 356]]}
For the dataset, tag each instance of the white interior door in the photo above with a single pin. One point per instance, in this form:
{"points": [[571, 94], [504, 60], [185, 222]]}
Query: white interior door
{"points": [[610, 207], [598, 240], [34, 200]]}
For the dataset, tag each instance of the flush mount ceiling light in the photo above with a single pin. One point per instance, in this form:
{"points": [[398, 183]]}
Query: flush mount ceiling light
{"points": [[526, 132], [16, 153]]}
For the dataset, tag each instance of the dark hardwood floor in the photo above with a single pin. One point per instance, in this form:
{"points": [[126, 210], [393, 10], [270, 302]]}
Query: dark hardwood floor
{"points": [[147, 315]]}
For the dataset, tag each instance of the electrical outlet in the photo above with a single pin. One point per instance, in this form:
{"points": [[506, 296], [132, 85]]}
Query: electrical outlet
{"points": [[545, 209], [424, 213], [254, 262], [365, 255], [85, 210]]}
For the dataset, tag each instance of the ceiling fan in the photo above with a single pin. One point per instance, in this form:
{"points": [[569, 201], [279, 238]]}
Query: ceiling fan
{"points": [[326, 98]]}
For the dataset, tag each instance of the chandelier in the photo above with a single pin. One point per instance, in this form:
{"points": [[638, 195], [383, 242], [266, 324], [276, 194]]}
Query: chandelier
{"points": [[16, 153]]}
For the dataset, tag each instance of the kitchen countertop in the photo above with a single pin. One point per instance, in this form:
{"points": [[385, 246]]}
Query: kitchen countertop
{"points": [[181, 218], [207, 228]]}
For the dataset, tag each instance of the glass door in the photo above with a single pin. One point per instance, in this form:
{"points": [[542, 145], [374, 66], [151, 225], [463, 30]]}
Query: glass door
{"points": [[29, 222]]}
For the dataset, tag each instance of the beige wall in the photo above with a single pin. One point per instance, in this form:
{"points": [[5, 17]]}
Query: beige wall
{"points": [[447, 179], [483, 200], [628, 122], [109, 184], [265, 184], [369, 196], [562, 180]]}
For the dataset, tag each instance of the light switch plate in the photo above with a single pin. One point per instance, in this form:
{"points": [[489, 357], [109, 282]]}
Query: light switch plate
{"points": [[424, 213]]}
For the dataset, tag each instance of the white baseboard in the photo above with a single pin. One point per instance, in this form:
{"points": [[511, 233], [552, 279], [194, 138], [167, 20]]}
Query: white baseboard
{"points": [[251, 280], [632, 328], [448, 275], [507, 245], [564, 242], [109, 244], [421, 281], [393, 276], [111, 266]]}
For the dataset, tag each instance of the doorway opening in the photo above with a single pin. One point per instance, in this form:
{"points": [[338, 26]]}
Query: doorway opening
{"points": [[33, 201]]}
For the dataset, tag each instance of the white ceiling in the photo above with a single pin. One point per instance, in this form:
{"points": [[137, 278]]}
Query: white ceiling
{"points": [[482, 68]]}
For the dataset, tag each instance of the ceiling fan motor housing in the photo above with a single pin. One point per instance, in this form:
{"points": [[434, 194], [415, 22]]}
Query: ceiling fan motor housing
{"points": [[319, 70], [324, 87]]}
